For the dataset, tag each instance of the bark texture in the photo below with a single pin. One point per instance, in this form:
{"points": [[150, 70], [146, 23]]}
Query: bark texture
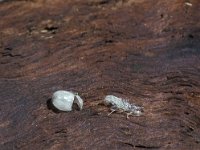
{"points": [[147, 51]]}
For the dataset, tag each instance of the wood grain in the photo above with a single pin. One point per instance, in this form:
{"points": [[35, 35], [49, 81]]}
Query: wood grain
{"points": [[146, 51]]}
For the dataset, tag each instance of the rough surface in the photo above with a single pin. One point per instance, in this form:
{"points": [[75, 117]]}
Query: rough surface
{"points": [[147, 51]]}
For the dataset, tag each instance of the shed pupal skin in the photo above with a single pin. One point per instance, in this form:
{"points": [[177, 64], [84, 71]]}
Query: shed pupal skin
{"points": [[63, 100], [122, 105], [79, 101]]}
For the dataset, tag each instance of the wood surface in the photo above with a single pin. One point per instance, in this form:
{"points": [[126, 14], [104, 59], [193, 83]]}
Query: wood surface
{"points": [[147, 51]]}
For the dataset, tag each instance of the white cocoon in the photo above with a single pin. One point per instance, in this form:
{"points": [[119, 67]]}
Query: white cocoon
{"points": [[63, 100]]}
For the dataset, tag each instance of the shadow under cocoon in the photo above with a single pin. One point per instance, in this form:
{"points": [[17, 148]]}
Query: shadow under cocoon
{"points": [[50, 106]]}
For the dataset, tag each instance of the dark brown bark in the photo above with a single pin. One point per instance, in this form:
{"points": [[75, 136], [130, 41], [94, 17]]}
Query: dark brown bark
{"points": [[147, 51]]}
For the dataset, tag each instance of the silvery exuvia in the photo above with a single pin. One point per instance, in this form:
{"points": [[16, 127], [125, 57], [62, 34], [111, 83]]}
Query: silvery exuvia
{"points": [[122, 105]]}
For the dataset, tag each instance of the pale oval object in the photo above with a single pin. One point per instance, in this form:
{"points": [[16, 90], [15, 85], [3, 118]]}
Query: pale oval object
{"points": [[63, 100]]}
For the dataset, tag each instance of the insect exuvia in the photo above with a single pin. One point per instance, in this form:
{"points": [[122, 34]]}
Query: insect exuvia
{"points": [[63, 100], [122, 105]]}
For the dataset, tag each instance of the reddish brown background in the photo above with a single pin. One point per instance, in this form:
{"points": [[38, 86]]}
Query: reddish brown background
{"points": [[147, 51]]}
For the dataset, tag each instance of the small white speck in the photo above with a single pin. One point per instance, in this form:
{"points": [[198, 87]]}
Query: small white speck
{"points": [[188, 4]]}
